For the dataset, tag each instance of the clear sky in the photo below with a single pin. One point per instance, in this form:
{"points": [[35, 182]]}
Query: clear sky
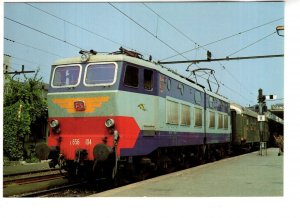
{"points": [[44, 32]]}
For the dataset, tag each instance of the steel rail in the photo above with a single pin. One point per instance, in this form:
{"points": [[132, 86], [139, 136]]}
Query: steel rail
{"points": [[32, 179], [29, 173], [47, 191]]}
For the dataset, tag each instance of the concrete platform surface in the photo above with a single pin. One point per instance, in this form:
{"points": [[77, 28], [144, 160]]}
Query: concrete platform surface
{"points": [[246, 175]]}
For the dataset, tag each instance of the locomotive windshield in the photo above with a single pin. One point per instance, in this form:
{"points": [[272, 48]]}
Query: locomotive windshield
{"points": [[100, 74], [66, 76]]}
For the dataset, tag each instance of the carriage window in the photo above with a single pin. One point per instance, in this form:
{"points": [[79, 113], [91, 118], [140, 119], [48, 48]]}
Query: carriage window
{"points": [[66, 76], [197, 97], [211, 101], [220, 124], [198, 117], [148, 79], [185, 115], [225, 121], [172, 112], [131, 76], [100, 74], [212, 119]]}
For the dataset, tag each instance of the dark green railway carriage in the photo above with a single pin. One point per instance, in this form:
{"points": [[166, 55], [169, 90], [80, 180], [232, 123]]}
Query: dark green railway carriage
{"points": [[245, 128]]}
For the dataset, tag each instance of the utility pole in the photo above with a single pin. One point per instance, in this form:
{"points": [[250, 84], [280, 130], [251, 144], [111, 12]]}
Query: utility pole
{"points": [[19, 72]]}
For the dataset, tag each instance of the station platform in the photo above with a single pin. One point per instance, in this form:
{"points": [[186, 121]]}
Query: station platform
{"points": [[248, 175]]}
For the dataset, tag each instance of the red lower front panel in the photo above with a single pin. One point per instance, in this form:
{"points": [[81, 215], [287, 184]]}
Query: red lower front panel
{"points": [[86, 132]]}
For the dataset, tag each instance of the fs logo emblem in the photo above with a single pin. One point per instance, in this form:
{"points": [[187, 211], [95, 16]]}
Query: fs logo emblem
{"points": [[142, 107]]}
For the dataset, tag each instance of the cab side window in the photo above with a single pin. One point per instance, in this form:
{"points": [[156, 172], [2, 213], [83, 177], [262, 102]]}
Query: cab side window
{"points": [[131, 77], [148, 74]]}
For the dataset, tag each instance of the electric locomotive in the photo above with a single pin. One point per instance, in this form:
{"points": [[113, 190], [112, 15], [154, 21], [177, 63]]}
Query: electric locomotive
{"points": [[115, 112]]}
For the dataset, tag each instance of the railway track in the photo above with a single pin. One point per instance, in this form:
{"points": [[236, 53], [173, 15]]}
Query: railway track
{"points": [[54, 192], [45, 183], [30, 173], [21, 183], [31, 178]]}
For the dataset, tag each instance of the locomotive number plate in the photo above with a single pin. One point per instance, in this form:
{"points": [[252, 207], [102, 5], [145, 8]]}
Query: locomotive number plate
{"points": [[78, 141], [74, 142], [88, 141]]}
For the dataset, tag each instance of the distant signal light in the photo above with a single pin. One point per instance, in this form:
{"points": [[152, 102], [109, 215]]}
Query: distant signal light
{"points": [[271, 97]]}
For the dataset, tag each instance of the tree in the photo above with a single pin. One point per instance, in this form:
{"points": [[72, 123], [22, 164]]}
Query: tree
{"points": [[23, 106]]}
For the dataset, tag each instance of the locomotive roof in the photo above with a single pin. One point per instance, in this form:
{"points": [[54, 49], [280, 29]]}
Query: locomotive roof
{"points": [[137, 61]]}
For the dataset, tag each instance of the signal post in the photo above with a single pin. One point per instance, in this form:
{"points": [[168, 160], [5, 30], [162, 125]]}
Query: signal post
{"points": [[262, 118]]}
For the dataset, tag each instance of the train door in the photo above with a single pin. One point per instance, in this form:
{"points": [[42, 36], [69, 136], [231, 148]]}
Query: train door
{"points": [[233, 125], [150, 101], [205, 118]]}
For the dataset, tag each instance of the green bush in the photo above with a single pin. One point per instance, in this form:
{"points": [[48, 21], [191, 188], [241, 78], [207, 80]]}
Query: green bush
{"points": [[23, 105], [15, 128]]}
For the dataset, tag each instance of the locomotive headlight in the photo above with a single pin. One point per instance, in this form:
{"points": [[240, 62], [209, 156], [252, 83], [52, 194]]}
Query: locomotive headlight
{"points": [[54, 123], [85, 57], [109, 123]]}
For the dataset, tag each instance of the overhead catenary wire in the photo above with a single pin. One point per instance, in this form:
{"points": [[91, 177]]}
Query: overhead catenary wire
{"points": [[236, 34], [163, 42], [39, 31], [253, 43], [197, 44], [178, 30], [144, 29], [22, 59], [149, 32], [82, 28], [224, 38], [203, 46], [152, 34], [29, 46], [17, 65], [182, 33]]}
